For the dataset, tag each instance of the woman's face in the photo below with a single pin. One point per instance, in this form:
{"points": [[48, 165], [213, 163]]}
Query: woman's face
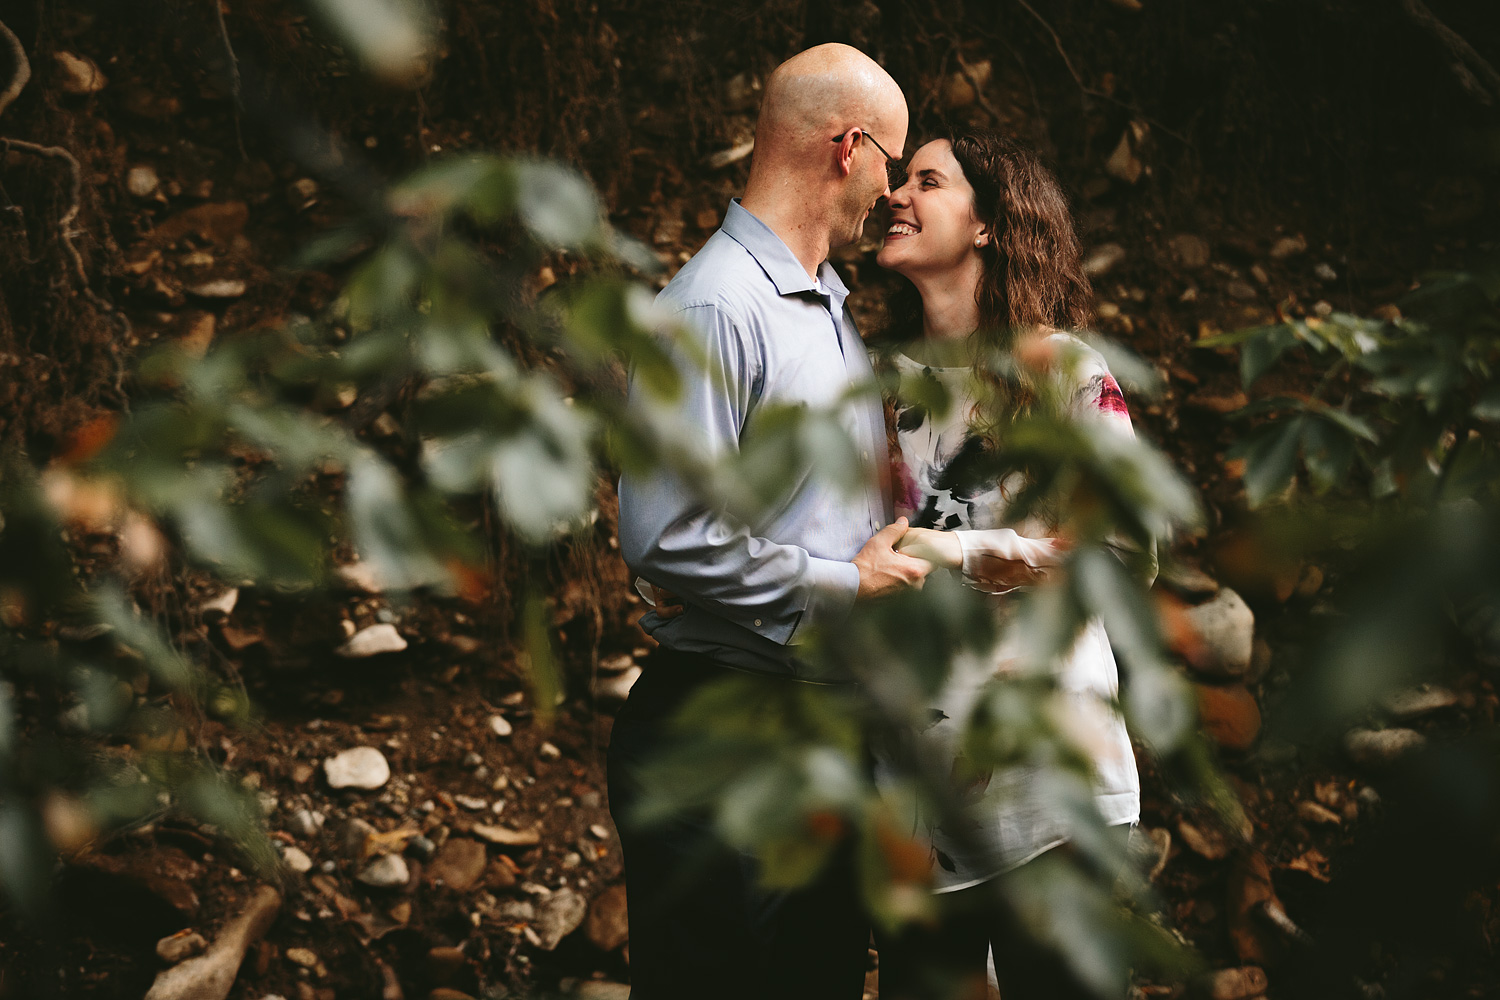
{"points": [[933, 227]]}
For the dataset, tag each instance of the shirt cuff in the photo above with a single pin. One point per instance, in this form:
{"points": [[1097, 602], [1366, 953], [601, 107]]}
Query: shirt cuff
{"points": [[832, 587]]}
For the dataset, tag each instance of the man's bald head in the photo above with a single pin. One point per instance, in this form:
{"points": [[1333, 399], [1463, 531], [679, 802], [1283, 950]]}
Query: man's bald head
{"points": [[823, 91], [815, 192]]}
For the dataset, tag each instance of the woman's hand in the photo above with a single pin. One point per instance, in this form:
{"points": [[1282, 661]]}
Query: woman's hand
{"points": [[941, 548]]}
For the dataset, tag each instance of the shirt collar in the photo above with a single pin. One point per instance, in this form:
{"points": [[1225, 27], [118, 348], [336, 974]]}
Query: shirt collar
{"points": [[775, 257]]}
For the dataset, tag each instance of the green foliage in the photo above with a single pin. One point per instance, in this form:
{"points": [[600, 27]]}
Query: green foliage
{"points": [[1417, 394]]}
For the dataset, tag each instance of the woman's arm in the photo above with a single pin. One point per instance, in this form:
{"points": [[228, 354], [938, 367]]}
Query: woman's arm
{"points": [[994, 560]]}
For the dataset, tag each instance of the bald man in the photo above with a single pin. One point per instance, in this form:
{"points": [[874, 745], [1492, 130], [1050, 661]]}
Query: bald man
{"points": [[767, 311]]}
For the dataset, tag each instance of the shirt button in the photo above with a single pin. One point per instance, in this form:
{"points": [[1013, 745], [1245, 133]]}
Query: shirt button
{"points": [[865, 455], [757, 623]]}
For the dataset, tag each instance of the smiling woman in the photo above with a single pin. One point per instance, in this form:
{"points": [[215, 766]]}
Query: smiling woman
{"points": [[982, 232]]}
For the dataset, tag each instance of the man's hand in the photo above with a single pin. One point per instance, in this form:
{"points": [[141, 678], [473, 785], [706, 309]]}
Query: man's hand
{"points": [[666, 603], [883, 570]]}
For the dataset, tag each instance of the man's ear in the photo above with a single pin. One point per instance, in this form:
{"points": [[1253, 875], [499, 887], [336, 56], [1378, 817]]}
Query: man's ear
{"points": [[844, 154]]}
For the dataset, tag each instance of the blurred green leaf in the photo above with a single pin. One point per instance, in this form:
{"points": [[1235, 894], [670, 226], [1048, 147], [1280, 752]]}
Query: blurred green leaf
{"points": [[393, 38], [26, 857], [1270, 459], [557, 205], [542, 668], [386, 531]]}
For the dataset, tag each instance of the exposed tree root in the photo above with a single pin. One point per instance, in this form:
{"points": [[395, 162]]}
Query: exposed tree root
{"points": [[1473, 71]]}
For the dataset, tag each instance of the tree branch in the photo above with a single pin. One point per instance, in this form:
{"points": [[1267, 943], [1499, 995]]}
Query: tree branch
{"points": [[1473, 71], [21, 71]]}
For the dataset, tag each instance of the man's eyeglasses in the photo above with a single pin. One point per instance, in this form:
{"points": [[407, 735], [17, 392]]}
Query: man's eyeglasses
{"points": [[894, 172]]}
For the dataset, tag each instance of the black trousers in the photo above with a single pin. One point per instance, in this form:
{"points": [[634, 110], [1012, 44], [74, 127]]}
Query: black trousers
{"points": [[949, 959], [700, 925]]}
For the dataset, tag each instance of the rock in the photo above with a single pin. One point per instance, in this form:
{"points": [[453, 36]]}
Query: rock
{"points": [[734, 154], [78, 75], [500, 726], [362, 577], [1242, 290], [1245, 983], [240, 639], [1419, 701], [458, 864], [558, 916], [471, 802], [444, 963], [464, 645], [741, 93], [222, 605], [1205, 841], [1103, 259], [180, 946], [608, 925], [1189, 251], [210, 975], [306, 823], [598, 989], [1222, 636], [1259, 274], [1229, 714], [502, 836], [1309, 582], [1250, 890], [216, 222], [958, 88], [1288, 246], [1122, 163], [1325, 273], [357, 767], [548, 751], [1260, 661], [448, 993], [221, 288], [617, 688], [600, 831], [616, 664], [1381, 747], [1188, 581], [1218, 404], [305, 957], [517, 910], [422, 848], [372, 641], [296, 859], [1315, 812], [142, 182], [302, 193], [388, 872]]}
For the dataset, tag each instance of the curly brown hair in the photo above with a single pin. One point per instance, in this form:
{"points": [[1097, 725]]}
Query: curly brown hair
{"points": [[1033, 273]]}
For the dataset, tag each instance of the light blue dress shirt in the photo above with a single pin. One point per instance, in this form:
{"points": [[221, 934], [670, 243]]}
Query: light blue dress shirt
{"points": [[771, 334]]}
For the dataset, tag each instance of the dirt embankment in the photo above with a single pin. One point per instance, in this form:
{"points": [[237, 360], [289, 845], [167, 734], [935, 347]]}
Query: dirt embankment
{"points": [[1227, 167]]}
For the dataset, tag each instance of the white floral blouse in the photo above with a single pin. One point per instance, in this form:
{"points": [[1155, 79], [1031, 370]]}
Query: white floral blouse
{"points": [[1023, 811]]}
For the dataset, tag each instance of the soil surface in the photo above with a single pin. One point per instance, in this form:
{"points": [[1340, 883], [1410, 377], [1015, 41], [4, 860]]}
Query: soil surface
{"points": [[641, 96]]}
